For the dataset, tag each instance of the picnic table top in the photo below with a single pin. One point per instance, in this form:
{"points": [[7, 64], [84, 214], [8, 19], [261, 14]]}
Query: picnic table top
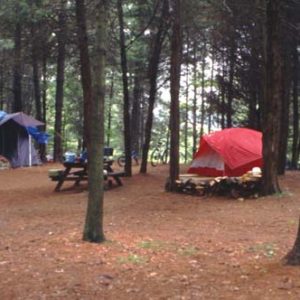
{"points": [[81, 164]]}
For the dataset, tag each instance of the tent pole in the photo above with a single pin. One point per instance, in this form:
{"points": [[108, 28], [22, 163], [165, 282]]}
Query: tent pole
{"points": [[30, 156]]}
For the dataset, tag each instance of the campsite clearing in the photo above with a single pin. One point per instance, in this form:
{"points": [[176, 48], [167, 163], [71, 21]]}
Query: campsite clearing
{"points": [[159, 245]]}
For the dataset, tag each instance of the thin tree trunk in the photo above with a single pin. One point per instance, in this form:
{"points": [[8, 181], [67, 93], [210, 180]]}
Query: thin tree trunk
{"points": [[85, 66], [295, 152], [203, 64], [186, 121], [60, 77], [152, 73], [223, 94], [230, 85], [35, 64], [176, 44], [126, 106], [44, 95], [284, 128], [136, 109], [93, 228], [1, 88], [109, 117], [195, 105], [17, 76], [36, 84], [211, 91]]}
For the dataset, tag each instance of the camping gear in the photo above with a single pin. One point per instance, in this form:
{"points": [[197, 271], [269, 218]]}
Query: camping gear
{"points": [[40, 137], [228, 152], [69, 157], [15, 141]]}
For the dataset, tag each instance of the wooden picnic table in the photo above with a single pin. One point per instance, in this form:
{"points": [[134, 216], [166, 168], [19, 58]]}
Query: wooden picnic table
{"points": [[77, 172]]}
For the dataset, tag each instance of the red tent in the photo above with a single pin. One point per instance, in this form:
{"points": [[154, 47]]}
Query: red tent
{"points": [[228, 152]]}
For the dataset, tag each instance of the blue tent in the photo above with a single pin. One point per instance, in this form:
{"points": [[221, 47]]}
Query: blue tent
{"points": [[15, 141]]}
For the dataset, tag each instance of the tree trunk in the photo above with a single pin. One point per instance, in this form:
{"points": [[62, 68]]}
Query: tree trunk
{"points": [[211, 91], [1, 88], [126, 106], [44, 93], [293, 257], [152, 74], [272, 96], [35, 67], [36, 84], [175, 88], [230, 85], [255, 86], [109, 117], [195, 104], [284, 128], [17, 76], [85, 66], [295, 152], [93, 228], [60, 77], [186, 115], [223, 94], [203, 64], [136, 109]]}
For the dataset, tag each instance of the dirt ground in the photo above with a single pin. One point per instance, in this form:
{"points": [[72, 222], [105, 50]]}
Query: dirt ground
{"points": [[159, 245]]}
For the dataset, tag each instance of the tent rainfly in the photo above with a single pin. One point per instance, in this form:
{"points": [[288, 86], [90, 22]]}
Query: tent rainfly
{"points": [[228, 152], [15, 140]]}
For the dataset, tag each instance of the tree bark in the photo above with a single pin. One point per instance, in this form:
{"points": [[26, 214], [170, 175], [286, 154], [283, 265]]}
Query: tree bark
{"points": [[211, 90], [230, 84], [109, 117], [126, 106], [293, 256], [152, 74], [44, 89], [186, 113], [136, 109], [1, 88], [17, 73], [85, 66], [176, 44], [295, 152], [36, 84], [60, 77], [203, 64], [93, 228], [35, 55], [195, 104], [284, 122], [272, 96]]}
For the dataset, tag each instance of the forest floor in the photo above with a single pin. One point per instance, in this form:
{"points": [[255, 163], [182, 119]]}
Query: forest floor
{"points": [[159, 245]]}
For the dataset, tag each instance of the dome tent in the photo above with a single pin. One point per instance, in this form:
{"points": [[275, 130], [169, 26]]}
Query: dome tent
{"points": [[228, 152], [15, 140]]}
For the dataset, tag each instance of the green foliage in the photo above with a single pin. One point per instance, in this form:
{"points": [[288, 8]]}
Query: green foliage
{"points": [[6, 44]]}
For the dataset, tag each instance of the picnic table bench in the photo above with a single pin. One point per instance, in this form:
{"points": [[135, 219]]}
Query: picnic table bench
{"points": [[77, 172]]}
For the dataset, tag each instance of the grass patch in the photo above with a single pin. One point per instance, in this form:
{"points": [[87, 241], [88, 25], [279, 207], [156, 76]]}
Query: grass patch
{"points": [[292, 222], [132, 259], [188, 251], [284, 194], [152, 245], [267, 249]]}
